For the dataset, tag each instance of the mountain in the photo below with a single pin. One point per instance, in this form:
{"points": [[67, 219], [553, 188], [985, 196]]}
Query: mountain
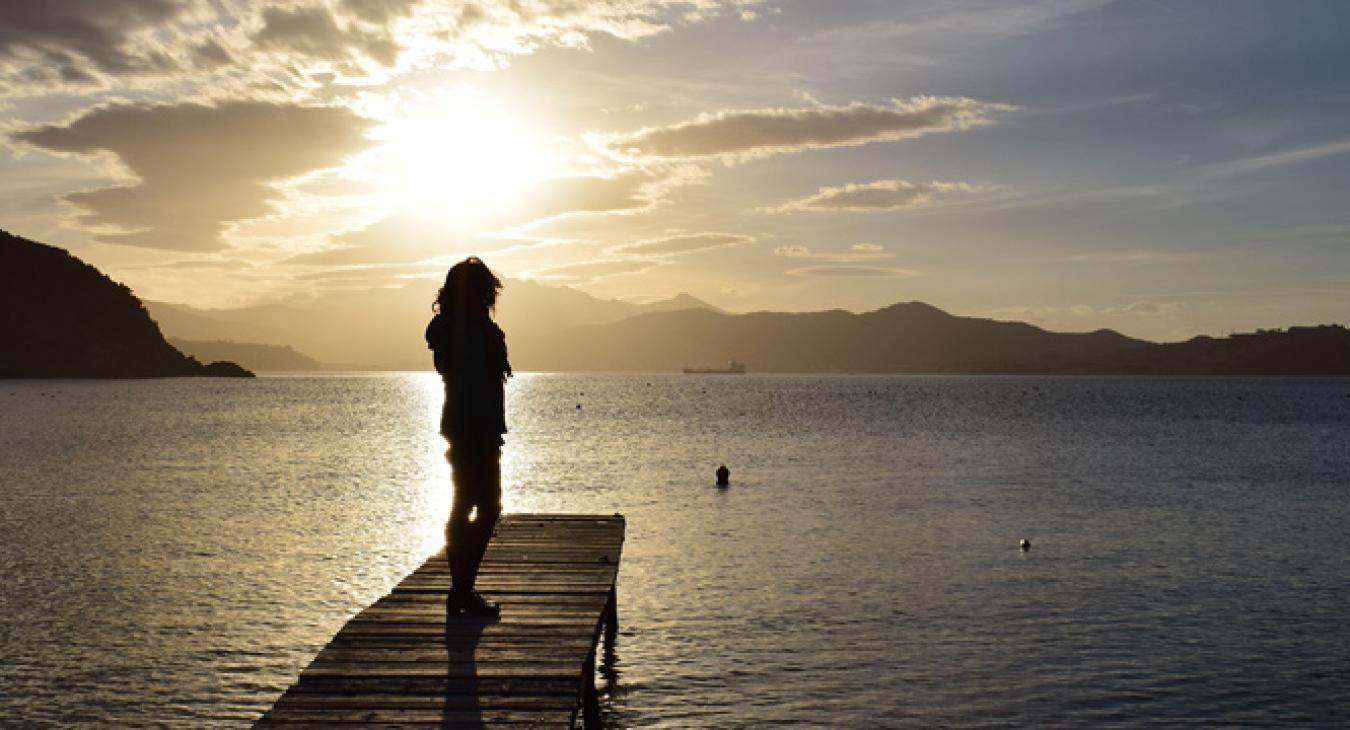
{"points": [[187, 323], [382, 329], [1297, 351], [683, 300], [62, 318], [909, 337], [254, 356], [560, 328]]}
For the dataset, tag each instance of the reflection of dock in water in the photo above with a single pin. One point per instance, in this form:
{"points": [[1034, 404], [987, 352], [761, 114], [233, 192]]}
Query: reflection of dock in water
{"points": [[399, 663]]}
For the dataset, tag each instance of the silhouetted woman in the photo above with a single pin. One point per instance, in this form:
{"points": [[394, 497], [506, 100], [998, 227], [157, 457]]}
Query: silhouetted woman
{"points": [[470, 354]]}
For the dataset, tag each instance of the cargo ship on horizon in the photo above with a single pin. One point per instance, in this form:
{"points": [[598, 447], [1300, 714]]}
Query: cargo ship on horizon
{"points": [[733, 368]]}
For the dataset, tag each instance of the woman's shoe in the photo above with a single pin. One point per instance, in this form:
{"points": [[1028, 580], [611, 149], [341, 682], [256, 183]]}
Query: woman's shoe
{"points": [[470, 604]]}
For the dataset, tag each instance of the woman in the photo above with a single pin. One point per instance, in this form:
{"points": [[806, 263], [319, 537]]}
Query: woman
{"points": [[470, 354]]}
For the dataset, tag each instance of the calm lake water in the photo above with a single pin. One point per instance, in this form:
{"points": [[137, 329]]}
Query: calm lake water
{"points": [[175, 551]]}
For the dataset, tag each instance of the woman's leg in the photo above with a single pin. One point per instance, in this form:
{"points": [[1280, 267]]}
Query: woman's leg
{"points": [[458, 527], [489, 504], [476, 471]]}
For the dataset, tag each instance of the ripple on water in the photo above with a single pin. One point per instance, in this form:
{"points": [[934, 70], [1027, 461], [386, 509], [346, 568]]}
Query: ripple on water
{"points": [[177, 550]]}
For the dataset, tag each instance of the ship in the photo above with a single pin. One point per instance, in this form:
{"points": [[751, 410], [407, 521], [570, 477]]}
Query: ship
{"points": [[732, 368]]}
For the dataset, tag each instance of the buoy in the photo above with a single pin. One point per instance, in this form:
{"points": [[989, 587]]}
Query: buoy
{"points": [[723, 476], [1025, 544]]}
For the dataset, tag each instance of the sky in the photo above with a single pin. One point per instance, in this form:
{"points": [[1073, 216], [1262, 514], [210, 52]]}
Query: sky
{"points": [[1164, 169]]}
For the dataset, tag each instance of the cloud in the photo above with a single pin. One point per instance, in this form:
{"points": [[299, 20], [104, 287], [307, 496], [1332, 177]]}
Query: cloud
{"points": [[1146, 308], [1248, 165], [857, 252], [1049, 312], [378, 11], [682, 244], [46, 45], [197, 167], [210, 53], [202, 265], [939, 23], [1129, 257], [400, 238], [592, 270], [375, 274], [58, 41], [873, 197], [313, 33], [745, 134], [624, 192], [852, 271]]}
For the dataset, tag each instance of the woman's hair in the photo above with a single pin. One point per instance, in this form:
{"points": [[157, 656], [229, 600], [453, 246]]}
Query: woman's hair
{"points": [[470, 288]]}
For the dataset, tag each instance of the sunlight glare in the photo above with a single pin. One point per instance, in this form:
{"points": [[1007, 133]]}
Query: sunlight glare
{"points": [[459, 151]]}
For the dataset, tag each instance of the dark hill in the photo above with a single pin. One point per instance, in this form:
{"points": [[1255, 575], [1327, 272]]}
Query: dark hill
{"points": [[62, 318], [1298, 351], [911, 337]]}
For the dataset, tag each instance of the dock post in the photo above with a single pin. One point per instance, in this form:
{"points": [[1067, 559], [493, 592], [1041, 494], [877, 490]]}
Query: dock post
{"points": [[590, 700], [612, 617]]}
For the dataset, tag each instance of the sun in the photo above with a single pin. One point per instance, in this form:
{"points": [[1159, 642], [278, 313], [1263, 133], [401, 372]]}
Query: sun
{"points": [[460, 152]]}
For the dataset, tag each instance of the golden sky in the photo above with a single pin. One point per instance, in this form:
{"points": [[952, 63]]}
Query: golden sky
{"points": [[1161, 169]]}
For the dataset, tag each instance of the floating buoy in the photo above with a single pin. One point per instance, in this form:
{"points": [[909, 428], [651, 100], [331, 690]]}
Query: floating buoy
{"points": [[1025, 544], [723, 476]]}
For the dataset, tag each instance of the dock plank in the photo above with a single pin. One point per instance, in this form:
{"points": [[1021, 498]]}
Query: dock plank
{"points": [[399, 663]]}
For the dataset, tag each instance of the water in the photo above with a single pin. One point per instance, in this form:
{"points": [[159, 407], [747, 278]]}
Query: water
{"points": [[175, 551]]}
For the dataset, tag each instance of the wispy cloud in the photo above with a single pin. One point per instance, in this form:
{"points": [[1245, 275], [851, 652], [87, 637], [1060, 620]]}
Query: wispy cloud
{"points": [[622, 192], [1052, 313], [682, 244], [1128, 257], [856, 252], [873, 197], [1258, 163], [411, 235], [944, 21], [853, 271], [200, 265], [736, 135], [591, 270]]}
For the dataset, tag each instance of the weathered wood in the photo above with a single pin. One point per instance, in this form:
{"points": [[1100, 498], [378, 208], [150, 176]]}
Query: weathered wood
{"points": [[400, 663]]}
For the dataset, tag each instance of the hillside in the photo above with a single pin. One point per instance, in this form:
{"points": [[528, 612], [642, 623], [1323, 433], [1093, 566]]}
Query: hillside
{"points": [[912, 337], [381, 329], [560, 328], [62, 318], [1297, 351], [254, 356]]}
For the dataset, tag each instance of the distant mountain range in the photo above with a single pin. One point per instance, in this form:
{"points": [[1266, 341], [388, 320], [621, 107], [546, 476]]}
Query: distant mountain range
{"points": [[62, 318], [902, 338], [95, 326], [382, 329], [559, 328]]}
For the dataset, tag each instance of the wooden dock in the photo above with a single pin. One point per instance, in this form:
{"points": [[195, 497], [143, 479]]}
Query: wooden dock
{"points": [[399, 663]]}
